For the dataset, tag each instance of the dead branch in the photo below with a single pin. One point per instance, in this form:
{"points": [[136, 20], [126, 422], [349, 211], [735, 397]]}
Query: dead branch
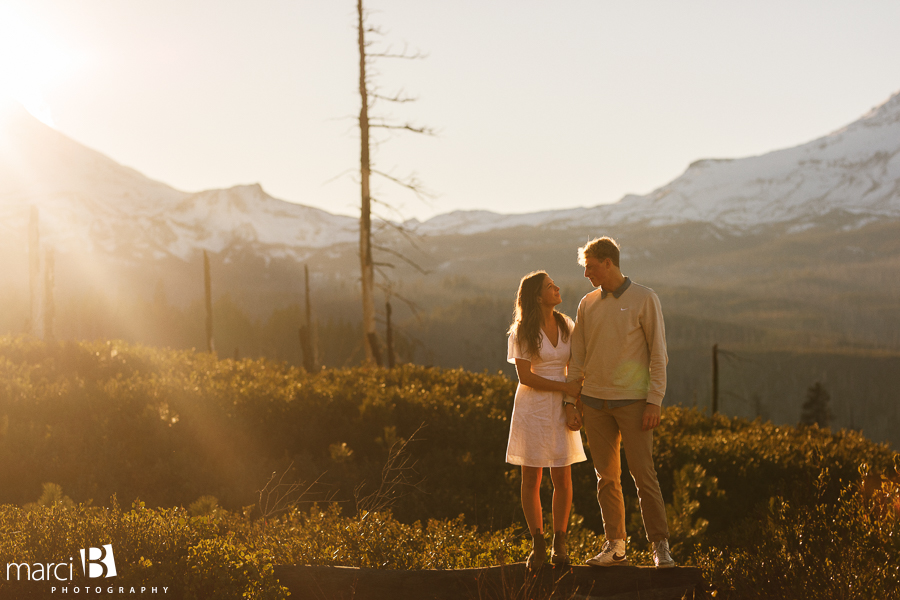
{"points": [[415, 308], [275, 498], [405, 54], [411, 183], [405, 127], [398, 478], [398, 97], [409, 234], [408, 261]]}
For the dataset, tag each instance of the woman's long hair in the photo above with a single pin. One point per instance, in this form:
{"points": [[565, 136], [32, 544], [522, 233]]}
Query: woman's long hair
{"points": [[527, 314]]}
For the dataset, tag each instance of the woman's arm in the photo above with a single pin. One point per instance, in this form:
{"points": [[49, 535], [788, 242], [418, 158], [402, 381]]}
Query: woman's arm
{"points": [[529, 378]]}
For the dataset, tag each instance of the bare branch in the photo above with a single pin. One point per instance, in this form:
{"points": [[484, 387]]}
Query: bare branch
{"points": [[408, 261], [405, 55], [411, 183], [398, 478], [415, 308], [280, 497], [398, 97], [381, 273], [383, 221], [411, 236], [416, 56], [405, 127]]}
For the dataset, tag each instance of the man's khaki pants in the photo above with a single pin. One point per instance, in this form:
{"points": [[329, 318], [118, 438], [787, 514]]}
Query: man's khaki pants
{"points": [[605, 428]]}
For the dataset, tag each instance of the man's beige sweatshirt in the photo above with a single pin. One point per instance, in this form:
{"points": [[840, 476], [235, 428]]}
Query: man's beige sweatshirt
{"points": [[619, 345]]}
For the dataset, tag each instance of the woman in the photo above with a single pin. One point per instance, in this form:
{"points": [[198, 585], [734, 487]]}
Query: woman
{"points": [[543, 430]]}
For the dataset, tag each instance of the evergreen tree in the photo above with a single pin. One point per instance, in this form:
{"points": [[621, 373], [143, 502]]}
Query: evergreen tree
{"points": [[815, 409]]}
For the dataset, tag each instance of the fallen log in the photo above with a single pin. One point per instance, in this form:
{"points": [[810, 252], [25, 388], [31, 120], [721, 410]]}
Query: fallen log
{"points": [[507, 582]]}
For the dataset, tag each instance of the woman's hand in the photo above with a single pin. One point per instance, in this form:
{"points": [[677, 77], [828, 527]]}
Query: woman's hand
{"points": [[573, 388], [573, 418]]}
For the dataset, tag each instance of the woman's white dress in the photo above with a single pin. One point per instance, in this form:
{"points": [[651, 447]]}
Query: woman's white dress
{"points": [[538, 436]]}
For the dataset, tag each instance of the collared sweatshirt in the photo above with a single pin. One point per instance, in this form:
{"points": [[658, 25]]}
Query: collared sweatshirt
{"points": [[619, 345]]}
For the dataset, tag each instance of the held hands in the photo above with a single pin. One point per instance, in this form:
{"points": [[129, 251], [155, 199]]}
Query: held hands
{"points": [[651, 417], [573, 388], [573, 414], [573, 417]]}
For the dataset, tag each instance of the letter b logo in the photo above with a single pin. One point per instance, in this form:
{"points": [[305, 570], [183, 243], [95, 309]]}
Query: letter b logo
{"points": [[98, 562]]}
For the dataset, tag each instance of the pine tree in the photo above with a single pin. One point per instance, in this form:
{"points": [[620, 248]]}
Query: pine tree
{"points": [[816, 410]]}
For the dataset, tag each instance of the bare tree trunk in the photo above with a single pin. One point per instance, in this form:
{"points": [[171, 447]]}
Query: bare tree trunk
{"points": [[207, 285], [715, 379], [49, 308], [389, 336], [306, 343], [367, 267], [306, 349], [310, 327], [35, 323]]}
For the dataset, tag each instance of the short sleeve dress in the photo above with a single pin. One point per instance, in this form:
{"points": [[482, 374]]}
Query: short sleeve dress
{"points": [[538, 436]]}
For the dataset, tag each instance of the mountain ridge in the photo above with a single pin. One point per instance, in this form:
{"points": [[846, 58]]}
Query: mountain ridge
{"points": [[87, 200], [840, 171]]}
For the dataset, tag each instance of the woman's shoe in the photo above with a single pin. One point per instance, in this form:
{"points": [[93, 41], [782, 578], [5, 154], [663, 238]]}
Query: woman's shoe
{"points": [[559, 555], [538, 554]]}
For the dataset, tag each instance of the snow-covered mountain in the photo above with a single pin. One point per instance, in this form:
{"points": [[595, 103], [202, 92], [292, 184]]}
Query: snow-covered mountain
{"points": [[86, 200], [855, 170]]}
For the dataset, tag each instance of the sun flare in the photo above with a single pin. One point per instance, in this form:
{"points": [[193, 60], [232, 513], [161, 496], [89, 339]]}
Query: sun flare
{"points": [[31, 64]]}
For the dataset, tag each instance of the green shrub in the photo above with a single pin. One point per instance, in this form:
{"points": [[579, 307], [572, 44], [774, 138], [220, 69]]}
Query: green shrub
{"points": [[173, 427], [754, 461], [846, 549], [234, 556], [170, 426]]}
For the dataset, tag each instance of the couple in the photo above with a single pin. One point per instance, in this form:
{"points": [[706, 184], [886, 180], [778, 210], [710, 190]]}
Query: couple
{"points": [[615, 383]]}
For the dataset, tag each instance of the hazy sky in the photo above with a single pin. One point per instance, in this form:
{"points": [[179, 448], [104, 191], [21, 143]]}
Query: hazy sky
{"points": [[538, 105]]}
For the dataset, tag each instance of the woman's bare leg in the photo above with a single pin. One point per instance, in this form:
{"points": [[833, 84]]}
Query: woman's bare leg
{"points": [[531, 505], [562, 496], [531, 498], [562, 505]]}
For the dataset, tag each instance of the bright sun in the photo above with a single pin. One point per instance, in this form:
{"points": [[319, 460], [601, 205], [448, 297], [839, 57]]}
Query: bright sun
{"points": [[31, 63]]}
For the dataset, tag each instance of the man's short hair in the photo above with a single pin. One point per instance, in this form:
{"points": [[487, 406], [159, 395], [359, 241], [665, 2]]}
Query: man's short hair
{"points": [[601, 249]]}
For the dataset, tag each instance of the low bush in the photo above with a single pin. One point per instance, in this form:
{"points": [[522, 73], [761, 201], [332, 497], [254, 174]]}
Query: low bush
{"points": [[754, 504], [233, 556], [845, 549], [170, 427]]}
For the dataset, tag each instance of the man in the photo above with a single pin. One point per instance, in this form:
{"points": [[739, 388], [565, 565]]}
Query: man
{"points": [[619, 347]]}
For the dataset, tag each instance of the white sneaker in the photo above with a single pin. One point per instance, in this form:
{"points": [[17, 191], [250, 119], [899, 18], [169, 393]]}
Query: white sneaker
{"points": [[661, 557], [611, 555]]}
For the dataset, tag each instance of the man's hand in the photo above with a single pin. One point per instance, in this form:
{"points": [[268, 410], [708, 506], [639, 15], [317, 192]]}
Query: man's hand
{"points": [[651, 417], [573, 388], [573, 417]]}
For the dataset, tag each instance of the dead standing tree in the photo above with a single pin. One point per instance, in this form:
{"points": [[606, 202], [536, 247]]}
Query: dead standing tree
{"points": [[207, 288], [35, 322], [41, 282], [367, 97], [308, 338]]}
